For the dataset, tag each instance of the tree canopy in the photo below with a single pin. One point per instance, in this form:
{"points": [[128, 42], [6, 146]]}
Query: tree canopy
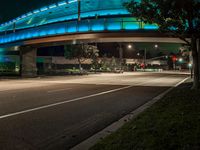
{"points": [[82, 52], [179, 17]]}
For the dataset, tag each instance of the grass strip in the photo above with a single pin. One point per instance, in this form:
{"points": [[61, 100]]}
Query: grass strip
{"points": [[173, 123]]}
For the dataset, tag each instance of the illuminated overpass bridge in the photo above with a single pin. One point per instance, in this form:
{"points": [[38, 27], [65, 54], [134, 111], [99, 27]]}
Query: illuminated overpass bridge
{"points": [[62, 19], [70, 21]]}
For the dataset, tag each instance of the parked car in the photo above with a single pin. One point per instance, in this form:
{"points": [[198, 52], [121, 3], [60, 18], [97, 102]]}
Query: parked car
{"points": [[118, 70]]}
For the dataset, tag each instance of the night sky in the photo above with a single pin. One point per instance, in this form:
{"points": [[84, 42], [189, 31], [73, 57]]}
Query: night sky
{"points": [[10, 9]]}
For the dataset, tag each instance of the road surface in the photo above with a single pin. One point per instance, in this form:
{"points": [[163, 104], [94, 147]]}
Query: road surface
{"points": [[59, 112]]}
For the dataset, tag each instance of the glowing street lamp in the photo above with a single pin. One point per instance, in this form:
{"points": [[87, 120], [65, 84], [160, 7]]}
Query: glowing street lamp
{"points": [[130, 46], [156, 45], [180, 60]]}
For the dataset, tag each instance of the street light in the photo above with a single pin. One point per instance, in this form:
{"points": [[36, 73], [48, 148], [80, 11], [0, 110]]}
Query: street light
{"points": [[130, 46], [190, 69], [180, 60], [144, 56], [190, 65], [79, 10], [120, 55], [156, 45]]}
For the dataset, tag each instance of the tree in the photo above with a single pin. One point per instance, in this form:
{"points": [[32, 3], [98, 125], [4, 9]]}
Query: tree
{"points": [[75, 52], [104, 63], [81, 52], [93, 53], [113, 63], [177, 18]]}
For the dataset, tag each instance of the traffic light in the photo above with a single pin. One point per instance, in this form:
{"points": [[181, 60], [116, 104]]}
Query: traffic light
{"points": [[174, 58]]}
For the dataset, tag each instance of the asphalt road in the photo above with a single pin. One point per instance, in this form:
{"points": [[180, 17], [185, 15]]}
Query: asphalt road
{"points": [[57, 113]]}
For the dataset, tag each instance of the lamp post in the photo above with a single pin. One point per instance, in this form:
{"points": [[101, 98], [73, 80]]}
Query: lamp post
{"points": [[79, 10], [120, 55], [145, 58]]}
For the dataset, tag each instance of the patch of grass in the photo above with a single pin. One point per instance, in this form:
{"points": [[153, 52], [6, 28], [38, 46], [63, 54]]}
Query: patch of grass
{"points": [[73, 70], [173, 123]]}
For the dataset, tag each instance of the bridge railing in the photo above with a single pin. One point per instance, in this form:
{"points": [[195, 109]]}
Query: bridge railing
{"points": [[87, 25]]}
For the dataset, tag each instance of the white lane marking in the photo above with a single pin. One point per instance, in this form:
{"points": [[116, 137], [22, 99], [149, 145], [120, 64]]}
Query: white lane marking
{"points": [[72, 100], [181, 82], [59, 90], [170, 89], [64, 102]]}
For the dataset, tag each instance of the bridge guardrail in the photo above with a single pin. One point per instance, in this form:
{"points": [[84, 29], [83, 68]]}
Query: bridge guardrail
{"points": [[87, 25]]}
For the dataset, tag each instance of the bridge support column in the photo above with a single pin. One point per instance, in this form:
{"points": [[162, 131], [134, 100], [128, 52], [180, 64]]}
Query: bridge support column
{"points": [[198, 49], [28, 57]]}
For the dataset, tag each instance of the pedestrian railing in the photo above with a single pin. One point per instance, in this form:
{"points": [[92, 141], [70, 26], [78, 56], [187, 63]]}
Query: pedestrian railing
{"points": [[87, 25]]}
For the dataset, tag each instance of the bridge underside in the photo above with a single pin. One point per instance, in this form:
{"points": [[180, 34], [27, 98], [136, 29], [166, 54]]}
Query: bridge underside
{"points": [[153, 37], [105, 37]]}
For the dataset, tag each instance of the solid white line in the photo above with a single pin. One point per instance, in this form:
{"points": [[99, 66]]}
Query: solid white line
{"points": [[64, 102], [181, 81], [59, 90]]}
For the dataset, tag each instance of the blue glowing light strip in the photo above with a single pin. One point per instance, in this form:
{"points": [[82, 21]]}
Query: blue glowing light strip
{"points": [[37, 11], [93, 25], [70, 17]]}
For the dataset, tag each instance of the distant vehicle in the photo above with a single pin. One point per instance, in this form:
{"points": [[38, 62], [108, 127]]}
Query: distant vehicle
{"points": [[118, 70]]}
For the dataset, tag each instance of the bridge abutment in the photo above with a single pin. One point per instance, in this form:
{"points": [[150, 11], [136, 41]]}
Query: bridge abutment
{"points": [[28, 56]]}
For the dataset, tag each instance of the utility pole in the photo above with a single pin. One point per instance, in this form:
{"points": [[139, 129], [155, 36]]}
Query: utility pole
{"points": [[120, 55], [79, 10], [145, 57], [198, 50]]}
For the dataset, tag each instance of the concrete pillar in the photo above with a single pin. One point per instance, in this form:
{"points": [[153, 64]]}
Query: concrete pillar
{"points": [[28, 57], [199, 63], [198, 49]]}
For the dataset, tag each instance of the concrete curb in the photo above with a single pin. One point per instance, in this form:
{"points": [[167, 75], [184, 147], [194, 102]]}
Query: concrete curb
{"points": [[86, 144]]}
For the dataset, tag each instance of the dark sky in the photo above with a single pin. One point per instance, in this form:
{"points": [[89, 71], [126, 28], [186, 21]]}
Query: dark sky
{"points": [[10, 9]]}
